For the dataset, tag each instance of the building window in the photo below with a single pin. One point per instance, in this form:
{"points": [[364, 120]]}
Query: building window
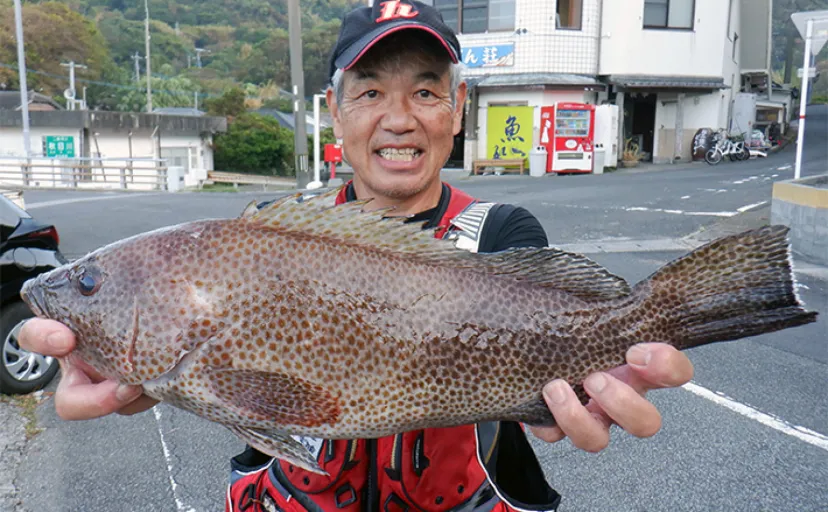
{"points": [[476, 16], [568, 14], [677, 14]]}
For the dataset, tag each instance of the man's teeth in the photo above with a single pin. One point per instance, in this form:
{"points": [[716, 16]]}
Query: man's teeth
{"points": [[401, 155]]}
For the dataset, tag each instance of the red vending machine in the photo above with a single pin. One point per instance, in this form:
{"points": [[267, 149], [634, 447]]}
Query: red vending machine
{"points": [[568, 133]]}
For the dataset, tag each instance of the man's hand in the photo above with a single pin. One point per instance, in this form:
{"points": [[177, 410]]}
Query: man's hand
{"points": [[617, 397], [82, 393]]}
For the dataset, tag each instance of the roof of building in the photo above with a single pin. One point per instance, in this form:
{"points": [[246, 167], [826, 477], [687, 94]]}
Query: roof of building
{"points": [[533, 79], [10, 100], [179, 111], [667, 82], [287, 120]]}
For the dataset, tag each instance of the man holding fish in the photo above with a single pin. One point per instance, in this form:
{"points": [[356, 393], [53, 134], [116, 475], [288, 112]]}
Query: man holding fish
{"points": [[397, 101]]}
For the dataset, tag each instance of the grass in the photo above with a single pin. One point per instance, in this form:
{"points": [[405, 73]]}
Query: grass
{"points": [[217, 187], [28, 407]]}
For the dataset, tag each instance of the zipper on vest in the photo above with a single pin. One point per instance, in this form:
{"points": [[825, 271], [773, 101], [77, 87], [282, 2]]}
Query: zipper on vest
{"points": [[372, 499]]}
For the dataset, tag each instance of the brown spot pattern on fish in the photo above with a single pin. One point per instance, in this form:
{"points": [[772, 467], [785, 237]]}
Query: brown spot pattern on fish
{"points": [[310, 320]]}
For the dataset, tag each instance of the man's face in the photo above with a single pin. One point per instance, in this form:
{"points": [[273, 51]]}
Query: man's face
{"points": [[397, 124]]}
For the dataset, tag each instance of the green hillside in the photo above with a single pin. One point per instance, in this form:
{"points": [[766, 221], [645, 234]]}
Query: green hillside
{"points": [[243, 43]]}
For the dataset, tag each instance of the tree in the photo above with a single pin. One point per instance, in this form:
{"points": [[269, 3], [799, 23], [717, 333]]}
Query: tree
{"points": [[255, 143], [54, 34], [229, 104]]}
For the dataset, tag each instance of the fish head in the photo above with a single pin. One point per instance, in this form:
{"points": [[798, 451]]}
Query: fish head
{"points": [[136, 307]]}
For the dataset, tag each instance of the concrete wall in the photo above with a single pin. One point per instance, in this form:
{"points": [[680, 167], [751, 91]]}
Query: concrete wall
{"points": [[11, 140], [754, 31], [627, 48], [802, 205], [700, 111]]}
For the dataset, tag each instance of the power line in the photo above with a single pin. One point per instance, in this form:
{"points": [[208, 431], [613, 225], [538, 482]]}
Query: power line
{"points": [[110, 84]]}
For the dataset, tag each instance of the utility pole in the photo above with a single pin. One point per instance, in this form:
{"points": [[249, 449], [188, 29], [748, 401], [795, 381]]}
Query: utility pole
{"points": [[24, 88], [300, 138], [199, 51], [149, 72], [72, 65], [136, 58]]}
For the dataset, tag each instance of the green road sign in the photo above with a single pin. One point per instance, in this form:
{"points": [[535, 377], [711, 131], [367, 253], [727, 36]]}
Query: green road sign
{"points": [[59, 146]]}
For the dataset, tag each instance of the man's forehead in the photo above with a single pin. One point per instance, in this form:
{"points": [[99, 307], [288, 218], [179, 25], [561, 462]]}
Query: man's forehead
{"points": [[416, 70]]}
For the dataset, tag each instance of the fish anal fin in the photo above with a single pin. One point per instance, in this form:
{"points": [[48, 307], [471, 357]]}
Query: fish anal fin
{"points": [[279, 445], [273, 396], [535, 412]]}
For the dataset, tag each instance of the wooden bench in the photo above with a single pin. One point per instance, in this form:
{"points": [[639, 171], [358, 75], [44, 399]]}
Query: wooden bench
{"points": [[516, 164]]}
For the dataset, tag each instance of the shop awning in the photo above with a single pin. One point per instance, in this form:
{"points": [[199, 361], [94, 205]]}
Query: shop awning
{"points": [[536, 80], [667, 82], [775, 105]]}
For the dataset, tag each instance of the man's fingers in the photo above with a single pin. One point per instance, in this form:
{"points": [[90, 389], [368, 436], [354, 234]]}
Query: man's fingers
{"points": [[622, 404], [658, 365], [77, 398], [46, 337], [548, 434], [586, 431]]}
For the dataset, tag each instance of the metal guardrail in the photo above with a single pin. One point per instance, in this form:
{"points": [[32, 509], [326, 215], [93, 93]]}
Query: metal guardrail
{"points": [[84, 173], [15, 196], [249, 179]]}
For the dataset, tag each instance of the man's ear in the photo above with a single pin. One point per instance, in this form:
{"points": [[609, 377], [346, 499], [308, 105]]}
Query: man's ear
{"points": [[459, 106], [333, 107]]}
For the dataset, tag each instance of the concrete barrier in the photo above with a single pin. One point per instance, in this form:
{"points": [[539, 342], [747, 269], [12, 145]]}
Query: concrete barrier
{"points": [[802, 205]]}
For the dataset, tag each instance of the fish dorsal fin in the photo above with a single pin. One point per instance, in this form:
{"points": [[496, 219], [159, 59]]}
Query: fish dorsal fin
{"points": [[350, 224]]}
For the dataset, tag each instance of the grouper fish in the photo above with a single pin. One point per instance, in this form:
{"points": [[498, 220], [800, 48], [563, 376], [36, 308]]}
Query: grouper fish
{"points": [[306, 318]]}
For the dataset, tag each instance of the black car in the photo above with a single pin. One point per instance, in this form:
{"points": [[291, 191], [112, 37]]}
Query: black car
{"points": [[27, 248]]}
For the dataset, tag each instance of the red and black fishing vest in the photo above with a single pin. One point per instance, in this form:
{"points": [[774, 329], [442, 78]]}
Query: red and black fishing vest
{"points": [[448, 469]]}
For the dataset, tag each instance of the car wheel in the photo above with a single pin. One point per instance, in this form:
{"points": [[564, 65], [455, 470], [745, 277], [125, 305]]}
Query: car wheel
{"points": [[21, 371]]}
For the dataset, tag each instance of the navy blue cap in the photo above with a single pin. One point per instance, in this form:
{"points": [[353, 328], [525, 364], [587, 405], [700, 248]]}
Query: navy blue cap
{"points": [[364, 26]]}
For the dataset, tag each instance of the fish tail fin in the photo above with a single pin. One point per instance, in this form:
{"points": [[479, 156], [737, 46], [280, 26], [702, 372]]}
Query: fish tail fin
{"points": [[734, 287]]}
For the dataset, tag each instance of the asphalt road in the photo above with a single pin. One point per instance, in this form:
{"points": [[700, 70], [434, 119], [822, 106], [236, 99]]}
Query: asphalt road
{"points": [[749, 435]]}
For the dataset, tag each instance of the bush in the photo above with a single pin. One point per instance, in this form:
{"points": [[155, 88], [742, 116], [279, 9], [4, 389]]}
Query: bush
{"points": [[255, 144]]}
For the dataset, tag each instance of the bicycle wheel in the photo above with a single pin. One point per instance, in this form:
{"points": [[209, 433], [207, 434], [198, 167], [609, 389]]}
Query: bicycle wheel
{"points": [[713, 156], [744, 154]]}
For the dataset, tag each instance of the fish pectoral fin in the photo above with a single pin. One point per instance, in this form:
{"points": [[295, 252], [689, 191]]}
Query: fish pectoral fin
{"points": [[274, 396], [278, 445]]}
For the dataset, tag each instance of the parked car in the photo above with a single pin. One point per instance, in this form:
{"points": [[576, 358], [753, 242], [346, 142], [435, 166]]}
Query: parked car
{"points": [[27, 248]]}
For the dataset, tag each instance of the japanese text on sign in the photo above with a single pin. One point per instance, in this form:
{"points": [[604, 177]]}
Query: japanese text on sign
{"points": [[489, 55], [509, 132]]}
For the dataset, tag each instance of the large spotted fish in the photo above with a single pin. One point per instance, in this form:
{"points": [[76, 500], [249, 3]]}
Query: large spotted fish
{"points": [[305, 318]]}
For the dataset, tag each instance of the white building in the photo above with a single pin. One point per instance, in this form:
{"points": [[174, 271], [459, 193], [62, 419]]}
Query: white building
{"points": [[672, 66], [106, 141]]}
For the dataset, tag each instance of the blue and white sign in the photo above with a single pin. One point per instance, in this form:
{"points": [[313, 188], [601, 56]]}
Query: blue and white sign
{"points": [[490, 55]]}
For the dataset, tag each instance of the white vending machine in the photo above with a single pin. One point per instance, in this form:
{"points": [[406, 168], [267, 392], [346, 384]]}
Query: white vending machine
{"points": [[606, 137]]}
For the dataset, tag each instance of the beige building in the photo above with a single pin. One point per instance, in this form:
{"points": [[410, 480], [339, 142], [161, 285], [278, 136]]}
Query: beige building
{"points": [[672, 66]]}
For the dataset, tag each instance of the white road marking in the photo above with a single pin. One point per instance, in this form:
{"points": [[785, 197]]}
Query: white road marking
{"points": [[685, 197], [750, 207], [58, 202], [168, 457], [784, 168], [803, 434]]}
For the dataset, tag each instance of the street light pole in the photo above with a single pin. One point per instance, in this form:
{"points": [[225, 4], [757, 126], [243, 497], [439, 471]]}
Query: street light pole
{"points": [[24, 88], [317, 180], [300, 137], [800, 138], [149, 72]]}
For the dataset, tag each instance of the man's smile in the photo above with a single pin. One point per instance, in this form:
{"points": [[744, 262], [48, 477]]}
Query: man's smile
{"points": [[408, 154]]}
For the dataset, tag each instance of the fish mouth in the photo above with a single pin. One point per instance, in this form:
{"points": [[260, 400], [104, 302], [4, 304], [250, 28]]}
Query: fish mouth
{"points": [[36, 291], [32, 295]]}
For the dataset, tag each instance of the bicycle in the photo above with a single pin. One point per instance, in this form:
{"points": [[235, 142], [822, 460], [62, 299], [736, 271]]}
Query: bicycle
{"points": [[724, 146]]}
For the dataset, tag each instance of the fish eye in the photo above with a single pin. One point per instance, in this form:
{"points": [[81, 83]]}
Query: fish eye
{"points": [[88, 281]]}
